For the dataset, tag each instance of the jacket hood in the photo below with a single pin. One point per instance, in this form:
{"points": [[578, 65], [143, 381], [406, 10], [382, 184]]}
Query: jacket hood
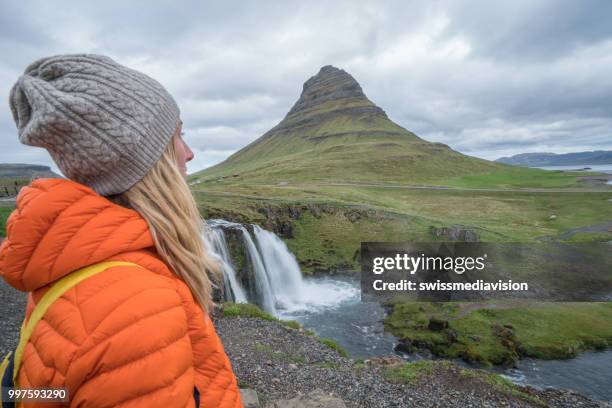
{"points": [[60, 226]]}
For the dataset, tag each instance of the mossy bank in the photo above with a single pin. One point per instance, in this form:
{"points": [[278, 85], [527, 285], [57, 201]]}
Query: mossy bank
{"points": [[501, 333]]}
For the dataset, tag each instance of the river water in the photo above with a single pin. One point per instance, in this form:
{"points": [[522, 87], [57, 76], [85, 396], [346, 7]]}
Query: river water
{"points": [[358, 328], [355, 325]]}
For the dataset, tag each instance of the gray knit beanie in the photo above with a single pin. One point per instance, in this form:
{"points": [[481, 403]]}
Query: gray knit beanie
{"points": [[105, 125]]}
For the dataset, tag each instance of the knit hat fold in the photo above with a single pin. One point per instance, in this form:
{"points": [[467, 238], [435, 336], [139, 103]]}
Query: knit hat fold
{"points": [[105, 125]]}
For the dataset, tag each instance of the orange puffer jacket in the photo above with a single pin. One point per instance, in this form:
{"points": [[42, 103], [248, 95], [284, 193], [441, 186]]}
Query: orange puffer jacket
{"points": [[129, 336]]}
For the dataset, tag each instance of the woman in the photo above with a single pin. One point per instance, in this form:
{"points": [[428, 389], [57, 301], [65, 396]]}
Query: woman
{"points": [[130, 336]]}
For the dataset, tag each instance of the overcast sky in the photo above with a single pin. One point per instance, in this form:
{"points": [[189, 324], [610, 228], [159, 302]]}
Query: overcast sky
{"points": [[487, 78]]}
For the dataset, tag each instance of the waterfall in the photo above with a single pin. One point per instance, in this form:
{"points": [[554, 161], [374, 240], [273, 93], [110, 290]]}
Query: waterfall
{"points": [[263, 294], [233, 289], [282, 269], [274, 280]]}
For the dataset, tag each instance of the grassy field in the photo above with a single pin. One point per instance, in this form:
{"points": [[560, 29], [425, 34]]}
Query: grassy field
{"points": [[403, 214], [518, 177]]}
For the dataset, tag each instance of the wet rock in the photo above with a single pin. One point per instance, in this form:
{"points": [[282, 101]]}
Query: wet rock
{"points": [[329, 209], [505, 334], [451, 335], [505, 331], [437, 324], [294, 212], [315, 210], [455, 233], [352, 215], [405, 346], [285, 229]]}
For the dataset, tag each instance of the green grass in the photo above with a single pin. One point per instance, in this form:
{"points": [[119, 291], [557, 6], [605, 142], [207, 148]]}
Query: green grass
{"points": [[540, 330], [331, 241], [418, 372], [5, 211], [517, 177], [230, 309], [334, 346], [292, 323], [412, 373]]}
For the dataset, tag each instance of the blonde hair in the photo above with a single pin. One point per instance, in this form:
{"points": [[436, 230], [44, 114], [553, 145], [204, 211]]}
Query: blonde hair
{"points": [[164, 200]]}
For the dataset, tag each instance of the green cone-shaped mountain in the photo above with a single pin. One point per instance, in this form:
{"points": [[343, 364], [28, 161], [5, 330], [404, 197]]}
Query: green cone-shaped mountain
{"points": [[334, 133]]}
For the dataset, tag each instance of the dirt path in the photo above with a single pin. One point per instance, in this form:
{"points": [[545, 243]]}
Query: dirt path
{"points": [[418, 187]]}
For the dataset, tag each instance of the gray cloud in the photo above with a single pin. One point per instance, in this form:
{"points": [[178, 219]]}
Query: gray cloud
{"points": [[487, 78]]}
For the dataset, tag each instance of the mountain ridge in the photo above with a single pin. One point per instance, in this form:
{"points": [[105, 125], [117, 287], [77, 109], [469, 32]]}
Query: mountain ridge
{"points": [[555, 159], [25, 170]]}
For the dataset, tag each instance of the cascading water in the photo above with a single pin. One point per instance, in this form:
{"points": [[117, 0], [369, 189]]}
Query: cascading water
{"points": [[262, 293], [233, 289], [265, 295], [282, 268], [275, 276], [292, 293]]}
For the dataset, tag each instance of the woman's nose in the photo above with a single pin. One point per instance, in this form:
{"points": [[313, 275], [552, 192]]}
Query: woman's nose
{"points": [[189, 155]]}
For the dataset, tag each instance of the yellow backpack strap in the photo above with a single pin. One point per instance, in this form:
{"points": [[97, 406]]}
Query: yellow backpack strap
{"points": [[57, 290]]}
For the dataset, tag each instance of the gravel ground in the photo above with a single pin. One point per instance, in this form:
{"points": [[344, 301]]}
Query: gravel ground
{"points": [[11, 316], [281, 363]]}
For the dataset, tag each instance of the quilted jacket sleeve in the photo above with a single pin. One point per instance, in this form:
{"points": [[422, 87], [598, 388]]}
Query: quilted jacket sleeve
{"points": [[137, 352]]}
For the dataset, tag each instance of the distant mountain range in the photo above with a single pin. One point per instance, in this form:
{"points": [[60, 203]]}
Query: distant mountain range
{"points": [[553, 159], [334, 132], [20, 170]]}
